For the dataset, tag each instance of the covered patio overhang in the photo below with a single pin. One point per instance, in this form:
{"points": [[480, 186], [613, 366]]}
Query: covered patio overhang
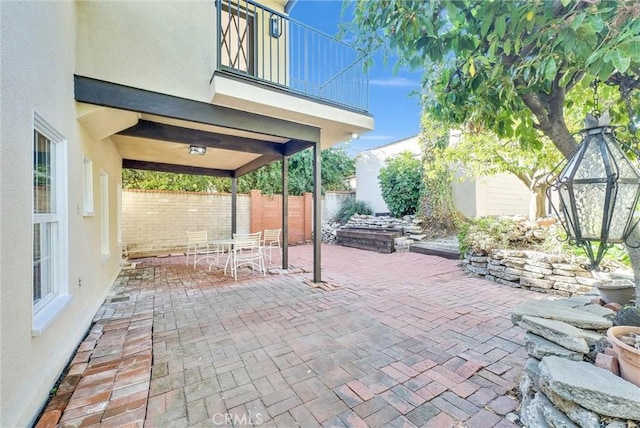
{"points": [[153, 131]]}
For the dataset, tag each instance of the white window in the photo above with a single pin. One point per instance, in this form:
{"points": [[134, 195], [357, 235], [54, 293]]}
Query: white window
{"points": [[104, 214], [50, 290], [87, 186]]}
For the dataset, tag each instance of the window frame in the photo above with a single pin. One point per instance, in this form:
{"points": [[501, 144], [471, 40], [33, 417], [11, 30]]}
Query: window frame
{"points": [[48, 307], [105, 241], [87, 187]]}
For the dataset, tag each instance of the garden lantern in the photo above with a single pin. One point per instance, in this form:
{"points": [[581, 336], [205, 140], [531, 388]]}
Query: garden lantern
{"points": [[597, 191]]}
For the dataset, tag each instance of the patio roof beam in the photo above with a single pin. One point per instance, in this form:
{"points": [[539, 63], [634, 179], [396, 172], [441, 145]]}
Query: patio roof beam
{"points": [[176, 169], [177, 134], [255, 164], [295, 146], [108, 94]]}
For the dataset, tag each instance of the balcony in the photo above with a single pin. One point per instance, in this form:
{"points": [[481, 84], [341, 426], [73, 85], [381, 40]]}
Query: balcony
{"points": [[265, 46]]}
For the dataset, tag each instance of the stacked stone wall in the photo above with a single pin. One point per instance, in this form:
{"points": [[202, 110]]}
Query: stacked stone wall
{"points": [[536, 271], [409, 224]]}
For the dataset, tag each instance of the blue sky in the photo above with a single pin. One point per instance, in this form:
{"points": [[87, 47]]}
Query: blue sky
{"points": [[395, 111]]}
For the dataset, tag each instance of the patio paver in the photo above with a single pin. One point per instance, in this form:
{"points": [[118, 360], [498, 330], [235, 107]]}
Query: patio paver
{"points": [[402, 340]]}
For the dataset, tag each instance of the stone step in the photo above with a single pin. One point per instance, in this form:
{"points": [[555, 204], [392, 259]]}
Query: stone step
{"points": [[446, 249]]}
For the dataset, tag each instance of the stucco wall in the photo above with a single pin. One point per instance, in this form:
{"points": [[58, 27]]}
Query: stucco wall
{"points": [[332, 202], [37, 76], [368, 166], [149, 44]]}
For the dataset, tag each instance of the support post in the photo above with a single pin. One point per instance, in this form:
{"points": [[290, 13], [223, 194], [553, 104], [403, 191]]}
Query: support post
{"points": [[285, 212], [234, 205], [317, 220]]}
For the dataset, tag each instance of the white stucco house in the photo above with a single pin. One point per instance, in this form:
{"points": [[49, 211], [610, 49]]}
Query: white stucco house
{"points": [[91, 87], [500, 194]]}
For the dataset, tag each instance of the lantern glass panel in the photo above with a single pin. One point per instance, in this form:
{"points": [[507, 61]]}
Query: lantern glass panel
{"points": [[623, 167], [592, 165], [590, 200], [626, 206], [564, 195]]}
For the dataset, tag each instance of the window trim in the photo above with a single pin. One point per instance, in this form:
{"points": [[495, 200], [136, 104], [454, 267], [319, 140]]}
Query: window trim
{"points": [[87, 189], [46, 310], [105, 242]]}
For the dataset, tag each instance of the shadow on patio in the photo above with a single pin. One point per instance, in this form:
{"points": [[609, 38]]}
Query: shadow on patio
{"points": [[402, 339]]}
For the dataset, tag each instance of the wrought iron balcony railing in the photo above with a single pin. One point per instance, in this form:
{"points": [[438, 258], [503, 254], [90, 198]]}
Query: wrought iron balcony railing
{"points": [[264, 45]]}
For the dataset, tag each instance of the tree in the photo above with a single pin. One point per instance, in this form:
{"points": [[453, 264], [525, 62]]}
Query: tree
{"points": [[336, 166], [484, 154], [401, 183], [510, 66], [440, 214]]}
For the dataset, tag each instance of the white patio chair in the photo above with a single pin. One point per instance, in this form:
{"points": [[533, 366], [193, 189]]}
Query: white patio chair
{"points": [[270, 241], [197, 243], [247, 250]]}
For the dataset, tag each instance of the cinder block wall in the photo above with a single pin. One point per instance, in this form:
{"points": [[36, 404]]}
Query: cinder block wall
{"points": [[156, 220]]}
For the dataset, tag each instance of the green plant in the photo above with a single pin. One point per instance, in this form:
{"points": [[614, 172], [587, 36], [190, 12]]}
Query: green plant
{"points": [[487, 233], [401, 184], [351, 207]]}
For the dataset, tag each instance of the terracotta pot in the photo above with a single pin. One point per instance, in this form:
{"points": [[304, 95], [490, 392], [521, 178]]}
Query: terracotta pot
{"points": [[619, 291], [628, 356]]}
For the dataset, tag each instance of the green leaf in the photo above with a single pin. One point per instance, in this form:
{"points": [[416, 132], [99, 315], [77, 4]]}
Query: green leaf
{"points": [[501, 25], [507, 47], [620, 61], [550, 69], [484, 27]]}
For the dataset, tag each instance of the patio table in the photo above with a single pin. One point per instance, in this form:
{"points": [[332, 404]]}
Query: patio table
{"points": [[221, 246]]}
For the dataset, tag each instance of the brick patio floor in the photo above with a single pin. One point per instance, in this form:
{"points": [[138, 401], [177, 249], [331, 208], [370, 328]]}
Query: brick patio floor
{"points": [[402, 339]]}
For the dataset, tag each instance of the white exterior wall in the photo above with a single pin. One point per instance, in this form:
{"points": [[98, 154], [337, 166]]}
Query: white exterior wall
{"points": [[38, 59], [332, 202], [368, 166], [163, 46], [502, 194]]}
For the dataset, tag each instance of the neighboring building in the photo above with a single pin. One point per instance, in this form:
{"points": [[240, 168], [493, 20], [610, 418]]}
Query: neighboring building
{"points": [[368, 166], [500, 194], [90, 87]]}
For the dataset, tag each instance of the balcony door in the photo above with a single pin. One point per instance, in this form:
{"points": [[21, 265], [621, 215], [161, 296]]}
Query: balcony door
{"points": [[238, 38]]}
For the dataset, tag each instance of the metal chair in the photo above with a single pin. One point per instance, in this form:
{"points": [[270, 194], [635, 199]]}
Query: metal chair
{"points": [[197, 243], [247, 250], [270, 241]]}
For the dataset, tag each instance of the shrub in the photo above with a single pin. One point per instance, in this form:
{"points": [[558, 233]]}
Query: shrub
{"points": [[486, 233], [351, 207], [401, 184], [495, 233]]}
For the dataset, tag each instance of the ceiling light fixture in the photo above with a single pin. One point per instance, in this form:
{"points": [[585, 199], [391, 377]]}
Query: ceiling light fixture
{"points": [[197, 150]]}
